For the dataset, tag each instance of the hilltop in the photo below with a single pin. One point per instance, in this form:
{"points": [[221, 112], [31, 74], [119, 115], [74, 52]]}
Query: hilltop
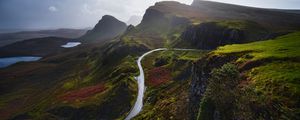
{"points": [[107, 28]]}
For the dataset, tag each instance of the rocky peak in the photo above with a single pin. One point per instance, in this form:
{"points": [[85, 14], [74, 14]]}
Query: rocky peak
{"points": [[108, 21], [107, 28], [163, 15], [108, 17]]}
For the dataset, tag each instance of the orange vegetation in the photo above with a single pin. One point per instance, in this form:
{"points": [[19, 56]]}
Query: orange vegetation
{"points": [[83, 93], [158, 76]]}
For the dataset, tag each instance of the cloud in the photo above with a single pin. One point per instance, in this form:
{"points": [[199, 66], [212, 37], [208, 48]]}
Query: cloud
{"points": [[83, 13], [121, 9], [53, 9]]}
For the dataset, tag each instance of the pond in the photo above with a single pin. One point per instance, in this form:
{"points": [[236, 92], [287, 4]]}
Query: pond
{"points": [[71, 44]]}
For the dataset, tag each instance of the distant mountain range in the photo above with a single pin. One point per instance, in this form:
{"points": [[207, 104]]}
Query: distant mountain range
{"points": [[8, 38]]}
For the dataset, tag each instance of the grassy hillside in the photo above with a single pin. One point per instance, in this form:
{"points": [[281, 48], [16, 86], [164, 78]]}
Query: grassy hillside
{"points": [[167, 78], [268, 84], [258, 80], [86, 82]]}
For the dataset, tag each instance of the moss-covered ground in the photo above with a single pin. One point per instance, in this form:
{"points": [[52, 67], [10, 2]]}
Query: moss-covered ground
{"points": [[166, 95], [269, 86]]}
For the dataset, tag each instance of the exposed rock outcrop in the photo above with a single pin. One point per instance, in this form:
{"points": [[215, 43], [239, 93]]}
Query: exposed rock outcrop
{"points": [[210, 36], [159, 18], [200, 74]]}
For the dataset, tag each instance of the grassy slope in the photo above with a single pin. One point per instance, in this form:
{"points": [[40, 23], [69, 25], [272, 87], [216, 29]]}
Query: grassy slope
{"points": [[77, 81], [166, 94], [271, 74], [280, 48]]}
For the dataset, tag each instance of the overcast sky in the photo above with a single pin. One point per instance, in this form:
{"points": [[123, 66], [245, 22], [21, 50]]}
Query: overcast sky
{"points": [[50, 14]]}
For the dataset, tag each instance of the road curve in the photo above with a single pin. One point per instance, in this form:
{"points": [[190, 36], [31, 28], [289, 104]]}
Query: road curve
{"points": [[141, 87], [141, 83]]}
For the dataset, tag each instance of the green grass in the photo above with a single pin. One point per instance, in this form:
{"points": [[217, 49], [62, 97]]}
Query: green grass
{"points": [[281, 79], [275, 80], [236, 24], [168, 100], [280, 48], [192, 55]]}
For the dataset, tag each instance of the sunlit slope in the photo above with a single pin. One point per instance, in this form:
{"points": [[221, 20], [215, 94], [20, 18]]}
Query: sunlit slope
{"points": [[269, 84]]}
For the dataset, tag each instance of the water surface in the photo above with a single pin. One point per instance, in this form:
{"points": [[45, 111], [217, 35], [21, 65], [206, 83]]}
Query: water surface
{"points": [[71, 44], [5, 62]]}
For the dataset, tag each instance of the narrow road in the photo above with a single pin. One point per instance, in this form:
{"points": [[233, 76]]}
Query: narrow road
{"points": [[141, 83], [141, 86]]}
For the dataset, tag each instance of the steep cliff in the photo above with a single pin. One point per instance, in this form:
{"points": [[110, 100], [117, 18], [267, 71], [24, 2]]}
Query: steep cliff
{"points": [[206, 25], [210, 35]]}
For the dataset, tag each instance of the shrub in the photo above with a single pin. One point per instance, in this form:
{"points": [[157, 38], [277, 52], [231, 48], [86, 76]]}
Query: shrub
{"points": [[221, 92]]}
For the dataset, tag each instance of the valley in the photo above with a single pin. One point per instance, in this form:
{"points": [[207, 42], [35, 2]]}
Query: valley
{"points": [[204, 61]]}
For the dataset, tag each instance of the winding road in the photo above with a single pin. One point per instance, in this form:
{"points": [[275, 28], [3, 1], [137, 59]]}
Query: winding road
{"points": [[141, 83]]}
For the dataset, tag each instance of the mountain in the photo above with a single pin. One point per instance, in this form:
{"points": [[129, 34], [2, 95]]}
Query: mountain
{"points": [[107, 28], [175, 24], [266, 17], [34, 47], [134, 20], [208, 25], [234, 68], [9, 38]]}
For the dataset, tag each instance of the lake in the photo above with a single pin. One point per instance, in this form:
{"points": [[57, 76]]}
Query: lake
{"points": [[5, 62]]}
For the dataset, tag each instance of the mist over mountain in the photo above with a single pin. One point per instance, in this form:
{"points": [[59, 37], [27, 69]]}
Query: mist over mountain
{"points": [[134, 20]]}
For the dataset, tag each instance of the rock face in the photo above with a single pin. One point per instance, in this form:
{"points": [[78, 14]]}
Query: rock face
{"points": [[210, 36], [200, 76], [159, 17], [152, 16], [197, 88], [107, 28]]}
